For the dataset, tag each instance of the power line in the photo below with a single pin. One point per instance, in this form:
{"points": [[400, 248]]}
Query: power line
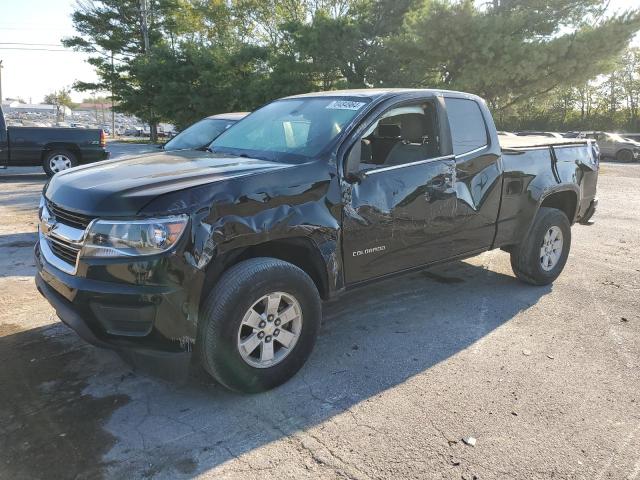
{"points": [[38, 49], [33, 44], [50, 29]]}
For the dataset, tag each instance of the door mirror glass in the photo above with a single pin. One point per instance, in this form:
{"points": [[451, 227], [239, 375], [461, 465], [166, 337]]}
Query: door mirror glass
{"points": [[352, 166]]}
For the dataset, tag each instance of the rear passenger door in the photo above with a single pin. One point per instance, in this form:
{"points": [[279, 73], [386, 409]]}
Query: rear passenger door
{"points": [[478, 175]]}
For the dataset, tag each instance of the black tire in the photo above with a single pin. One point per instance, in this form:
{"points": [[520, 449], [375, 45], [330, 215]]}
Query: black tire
{"points": [[234, 294], [46, 162], [624, 156], [526, 257]]}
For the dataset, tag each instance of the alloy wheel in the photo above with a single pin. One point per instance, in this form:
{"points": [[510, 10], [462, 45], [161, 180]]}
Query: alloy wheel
{"points": [[270, 330], [551, 249]]}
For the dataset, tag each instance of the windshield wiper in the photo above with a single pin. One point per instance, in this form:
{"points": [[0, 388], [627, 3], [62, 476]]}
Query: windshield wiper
{"points": [[242, 155], [257, 157]]}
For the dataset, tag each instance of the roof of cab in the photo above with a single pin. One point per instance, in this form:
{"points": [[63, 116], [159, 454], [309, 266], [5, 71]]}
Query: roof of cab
{"points": [[378, 92], [229, 116]]}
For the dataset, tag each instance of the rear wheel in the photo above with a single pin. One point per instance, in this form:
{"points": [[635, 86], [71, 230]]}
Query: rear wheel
{"points": [[259, 324], [541, 257], [57, 161], [624, 156]]}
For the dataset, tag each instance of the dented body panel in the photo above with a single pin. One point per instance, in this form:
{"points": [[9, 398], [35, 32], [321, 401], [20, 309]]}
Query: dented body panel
{"points": [[339, 230]]}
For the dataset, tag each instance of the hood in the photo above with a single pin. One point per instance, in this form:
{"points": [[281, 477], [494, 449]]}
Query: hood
{"points": [[119, 188]]}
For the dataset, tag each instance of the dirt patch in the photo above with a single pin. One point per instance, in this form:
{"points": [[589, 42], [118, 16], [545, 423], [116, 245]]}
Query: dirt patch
{"points": [[48, 427], [8, 329]]}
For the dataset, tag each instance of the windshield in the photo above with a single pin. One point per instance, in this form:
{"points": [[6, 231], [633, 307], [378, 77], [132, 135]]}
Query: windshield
{"points": [[614, 137], [199, 135], [291, 129]]}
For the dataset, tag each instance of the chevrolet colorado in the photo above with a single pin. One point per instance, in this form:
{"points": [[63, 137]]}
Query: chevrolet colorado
{"points": [[228, 252], [56, 149]]}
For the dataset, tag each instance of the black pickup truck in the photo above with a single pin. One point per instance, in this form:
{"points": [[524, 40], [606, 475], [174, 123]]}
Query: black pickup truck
{"points": [[228, 253], [56, 149]]}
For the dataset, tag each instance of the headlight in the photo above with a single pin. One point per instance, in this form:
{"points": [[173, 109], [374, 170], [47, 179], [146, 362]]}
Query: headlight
{"points": [[133, 238]]}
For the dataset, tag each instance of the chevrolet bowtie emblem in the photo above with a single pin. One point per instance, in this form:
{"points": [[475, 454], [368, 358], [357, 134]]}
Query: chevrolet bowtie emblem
{"points": [[48, 221]]}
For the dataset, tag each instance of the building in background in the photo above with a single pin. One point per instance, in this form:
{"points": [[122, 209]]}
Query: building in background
{"points": [[16, 107]]}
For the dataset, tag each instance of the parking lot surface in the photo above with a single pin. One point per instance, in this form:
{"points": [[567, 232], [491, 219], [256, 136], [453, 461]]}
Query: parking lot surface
{"points": [[545, 379]]}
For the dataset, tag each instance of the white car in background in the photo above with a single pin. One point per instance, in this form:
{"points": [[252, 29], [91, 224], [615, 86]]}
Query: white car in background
{"points": [[613, 145]]}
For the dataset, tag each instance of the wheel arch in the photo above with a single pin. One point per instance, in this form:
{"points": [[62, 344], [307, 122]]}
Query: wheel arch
{"points": [[564, 198], [622, 149], [299, 251], [56, 146]]}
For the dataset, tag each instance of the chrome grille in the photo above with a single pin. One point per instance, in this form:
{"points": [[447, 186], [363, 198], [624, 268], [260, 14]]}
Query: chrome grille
{"points": [[75, 220], [64, 250]]}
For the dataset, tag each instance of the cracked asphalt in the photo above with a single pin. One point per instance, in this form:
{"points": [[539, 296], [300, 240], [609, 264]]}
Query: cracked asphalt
{"points": [[546, 379]]}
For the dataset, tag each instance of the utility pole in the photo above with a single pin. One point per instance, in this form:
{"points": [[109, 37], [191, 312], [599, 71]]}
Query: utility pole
{"points": [[113, 114], [95, 106], [145, 27], [153, 128]]}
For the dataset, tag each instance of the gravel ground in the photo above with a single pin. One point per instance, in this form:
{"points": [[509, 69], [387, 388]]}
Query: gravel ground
{"points": [[547, 380]]}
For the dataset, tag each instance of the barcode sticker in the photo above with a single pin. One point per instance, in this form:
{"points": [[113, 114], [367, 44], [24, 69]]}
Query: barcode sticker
{"points": [[345, 105]]}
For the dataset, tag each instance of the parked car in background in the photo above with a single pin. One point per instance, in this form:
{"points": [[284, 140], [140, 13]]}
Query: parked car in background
{"points": [[613, 145], [56, 149], [506, 134], [631, 136], [133, 132], [226, 253], [529, 133], [199, 135]]}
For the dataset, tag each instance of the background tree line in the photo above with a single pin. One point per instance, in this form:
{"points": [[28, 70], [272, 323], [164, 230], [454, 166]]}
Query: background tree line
{"points": [[538, 63], [609, 102]]}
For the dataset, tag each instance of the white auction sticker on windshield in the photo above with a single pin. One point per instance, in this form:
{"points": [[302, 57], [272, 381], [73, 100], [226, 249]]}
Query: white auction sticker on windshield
{"points": [[345, 105]]}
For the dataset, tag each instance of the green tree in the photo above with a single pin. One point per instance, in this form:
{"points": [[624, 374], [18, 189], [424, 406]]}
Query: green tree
{"points": [[511, 50], [121, 36], [345, 49], [60, 99], [180, 60]]}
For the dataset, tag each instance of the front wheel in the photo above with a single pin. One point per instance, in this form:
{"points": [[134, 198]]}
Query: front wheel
{"points": [[259, 324], [541, 257], [57, 161]]}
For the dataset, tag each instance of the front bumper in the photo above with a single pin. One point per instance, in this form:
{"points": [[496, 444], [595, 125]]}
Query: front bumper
{"points": [[152, 326]]}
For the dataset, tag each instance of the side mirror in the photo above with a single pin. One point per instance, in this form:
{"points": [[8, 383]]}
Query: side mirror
{"points": [[352, 171]]}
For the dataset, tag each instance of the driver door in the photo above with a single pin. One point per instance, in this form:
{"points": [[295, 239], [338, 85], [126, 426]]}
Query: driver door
{"points": [[399, 205]]}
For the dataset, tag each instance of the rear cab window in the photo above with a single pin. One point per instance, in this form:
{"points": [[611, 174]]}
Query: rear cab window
{"points": [[467, 125]]}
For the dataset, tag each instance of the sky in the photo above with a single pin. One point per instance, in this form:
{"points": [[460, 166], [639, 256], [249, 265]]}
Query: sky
{"points": [[31, 74]]}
